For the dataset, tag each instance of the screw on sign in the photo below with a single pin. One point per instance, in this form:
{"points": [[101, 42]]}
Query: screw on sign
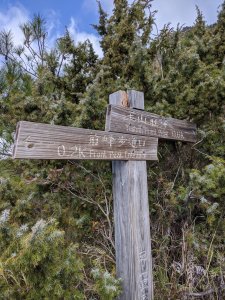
{"points": [[133, 139]]}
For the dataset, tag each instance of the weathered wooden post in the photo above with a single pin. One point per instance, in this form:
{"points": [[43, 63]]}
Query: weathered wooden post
{"points": [[131, 217], [132, 138]]}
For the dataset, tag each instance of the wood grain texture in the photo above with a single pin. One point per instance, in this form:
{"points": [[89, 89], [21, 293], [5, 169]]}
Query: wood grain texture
{"points": [[43, 141], [132, 224], [126, 120], [135, 99]]}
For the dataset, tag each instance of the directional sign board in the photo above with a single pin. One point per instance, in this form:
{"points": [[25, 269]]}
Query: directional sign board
{"points": [[42, 141], [141, 123]]}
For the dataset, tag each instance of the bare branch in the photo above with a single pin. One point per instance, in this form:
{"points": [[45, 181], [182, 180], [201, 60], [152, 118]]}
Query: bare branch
{"points": [[205, 293], [5, 154]]}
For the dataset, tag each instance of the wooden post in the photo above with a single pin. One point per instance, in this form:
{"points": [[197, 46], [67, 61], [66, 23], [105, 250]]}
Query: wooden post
{"points": [[131, 217]]}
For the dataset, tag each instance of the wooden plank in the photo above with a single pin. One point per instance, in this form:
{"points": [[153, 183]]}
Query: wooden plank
{"points": [[43, 141], [132, 121], [132, 225]]}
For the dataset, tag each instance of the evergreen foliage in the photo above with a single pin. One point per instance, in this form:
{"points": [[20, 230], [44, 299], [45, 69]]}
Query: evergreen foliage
{"points": [[56, 224]]}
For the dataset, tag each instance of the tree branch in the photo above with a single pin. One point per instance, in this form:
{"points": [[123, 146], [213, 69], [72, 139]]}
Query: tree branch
{"points": [[5, 154], [205, 293]]}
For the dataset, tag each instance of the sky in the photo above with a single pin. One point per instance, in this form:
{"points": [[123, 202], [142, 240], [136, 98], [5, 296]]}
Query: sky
{"points": [[78, 15]]}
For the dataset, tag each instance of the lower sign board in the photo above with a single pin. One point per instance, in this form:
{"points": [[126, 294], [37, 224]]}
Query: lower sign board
{"points": [[43, 141], [133, 121]]}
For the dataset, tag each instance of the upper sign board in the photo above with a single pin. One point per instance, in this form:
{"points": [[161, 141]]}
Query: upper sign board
{"points": [[42, 141], [141, 123]]}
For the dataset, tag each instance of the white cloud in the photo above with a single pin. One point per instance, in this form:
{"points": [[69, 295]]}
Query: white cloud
{"points": [[53, 23], [82, 36], [11, 19], [172, 11], [184, 12], [107, 5], [15, 15], [91, 5], [53, 26]]}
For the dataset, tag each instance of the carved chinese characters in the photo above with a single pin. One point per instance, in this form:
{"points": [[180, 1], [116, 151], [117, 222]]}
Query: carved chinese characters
{"points": [[42, 141], [132, 121]]}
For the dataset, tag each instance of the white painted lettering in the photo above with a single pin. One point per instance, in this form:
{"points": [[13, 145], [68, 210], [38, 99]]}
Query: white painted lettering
{"points": [[92, 154], [81, 152], [94, 140], [61, 150], [122, 140], [75, 150]]}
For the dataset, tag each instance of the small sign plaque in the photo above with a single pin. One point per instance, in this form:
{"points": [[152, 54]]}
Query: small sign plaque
{"points": [[43, 141], [141, 123]]}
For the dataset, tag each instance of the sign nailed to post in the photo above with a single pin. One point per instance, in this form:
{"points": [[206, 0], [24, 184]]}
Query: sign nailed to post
{"points": [[128, 137], [42, 141], [133, 121]]}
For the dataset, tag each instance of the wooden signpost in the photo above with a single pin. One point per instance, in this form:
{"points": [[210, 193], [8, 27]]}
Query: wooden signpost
{"points": [[131, 217], [121, 119], [43, 141], [131, 138]]}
